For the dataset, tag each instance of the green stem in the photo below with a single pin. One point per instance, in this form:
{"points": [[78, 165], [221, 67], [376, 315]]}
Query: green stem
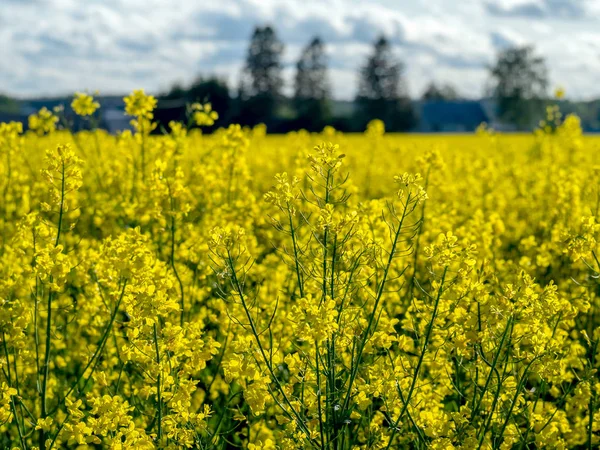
{"points": [[240, 293], [477, 405], [143, 148], [62, 203], [421, 357], [417, 242], [319, 409], [514, 400], [591, 404], [296, 255], [363, 342], [182, 298], [158, 393], [46, 366], [99, 349]]}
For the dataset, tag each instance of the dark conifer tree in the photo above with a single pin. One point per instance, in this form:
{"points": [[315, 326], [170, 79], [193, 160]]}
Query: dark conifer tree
{"points": [[262, 77], [311, 93], [382, 92], [519, 81]]}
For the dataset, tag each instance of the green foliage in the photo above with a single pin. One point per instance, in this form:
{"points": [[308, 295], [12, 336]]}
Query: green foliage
{"points": [[8, 105], [312, 95], [382, 92], [519, 85], [440, 92], [262, 80]]}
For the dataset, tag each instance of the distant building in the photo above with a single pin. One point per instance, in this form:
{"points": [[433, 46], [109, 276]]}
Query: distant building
{"points": [[450, 116], [115, 120]]}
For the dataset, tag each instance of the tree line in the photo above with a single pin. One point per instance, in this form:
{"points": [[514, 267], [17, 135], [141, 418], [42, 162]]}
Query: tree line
{"points": [[518, 82]]}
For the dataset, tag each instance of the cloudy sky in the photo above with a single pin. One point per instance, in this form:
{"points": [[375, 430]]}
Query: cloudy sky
{"points": [[50, 47]]}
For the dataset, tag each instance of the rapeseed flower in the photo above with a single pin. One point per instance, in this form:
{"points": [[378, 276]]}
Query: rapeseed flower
{"points": [[84, 104], [309, 290]]}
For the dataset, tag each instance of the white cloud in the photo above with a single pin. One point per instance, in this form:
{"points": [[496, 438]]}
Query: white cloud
{"points": [[59, 46]]}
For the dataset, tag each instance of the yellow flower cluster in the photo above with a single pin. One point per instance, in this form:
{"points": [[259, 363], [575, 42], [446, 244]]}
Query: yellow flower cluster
{"points": [[204, 115], [84, 104], [328, 291], [43, 122], [139, 104]]}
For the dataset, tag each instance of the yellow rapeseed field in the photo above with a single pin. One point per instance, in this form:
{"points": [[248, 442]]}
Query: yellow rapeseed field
{"points": [[329, 291]]}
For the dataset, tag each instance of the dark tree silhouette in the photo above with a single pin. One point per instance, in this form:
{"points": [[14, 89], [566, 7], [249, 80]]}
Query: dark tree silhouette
{"points": [[440, 93], [311, 74], [262, 82], [519, 82], [382, 92], [177, 91], [311, 93], [211, 90], [8, 105], [172, 106]]}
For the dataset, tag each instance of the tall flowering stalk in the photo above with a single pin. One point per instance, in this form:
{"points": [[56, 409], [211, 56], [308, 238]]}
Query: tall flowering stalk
{"points": [[141, 106], [63, 175]]}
